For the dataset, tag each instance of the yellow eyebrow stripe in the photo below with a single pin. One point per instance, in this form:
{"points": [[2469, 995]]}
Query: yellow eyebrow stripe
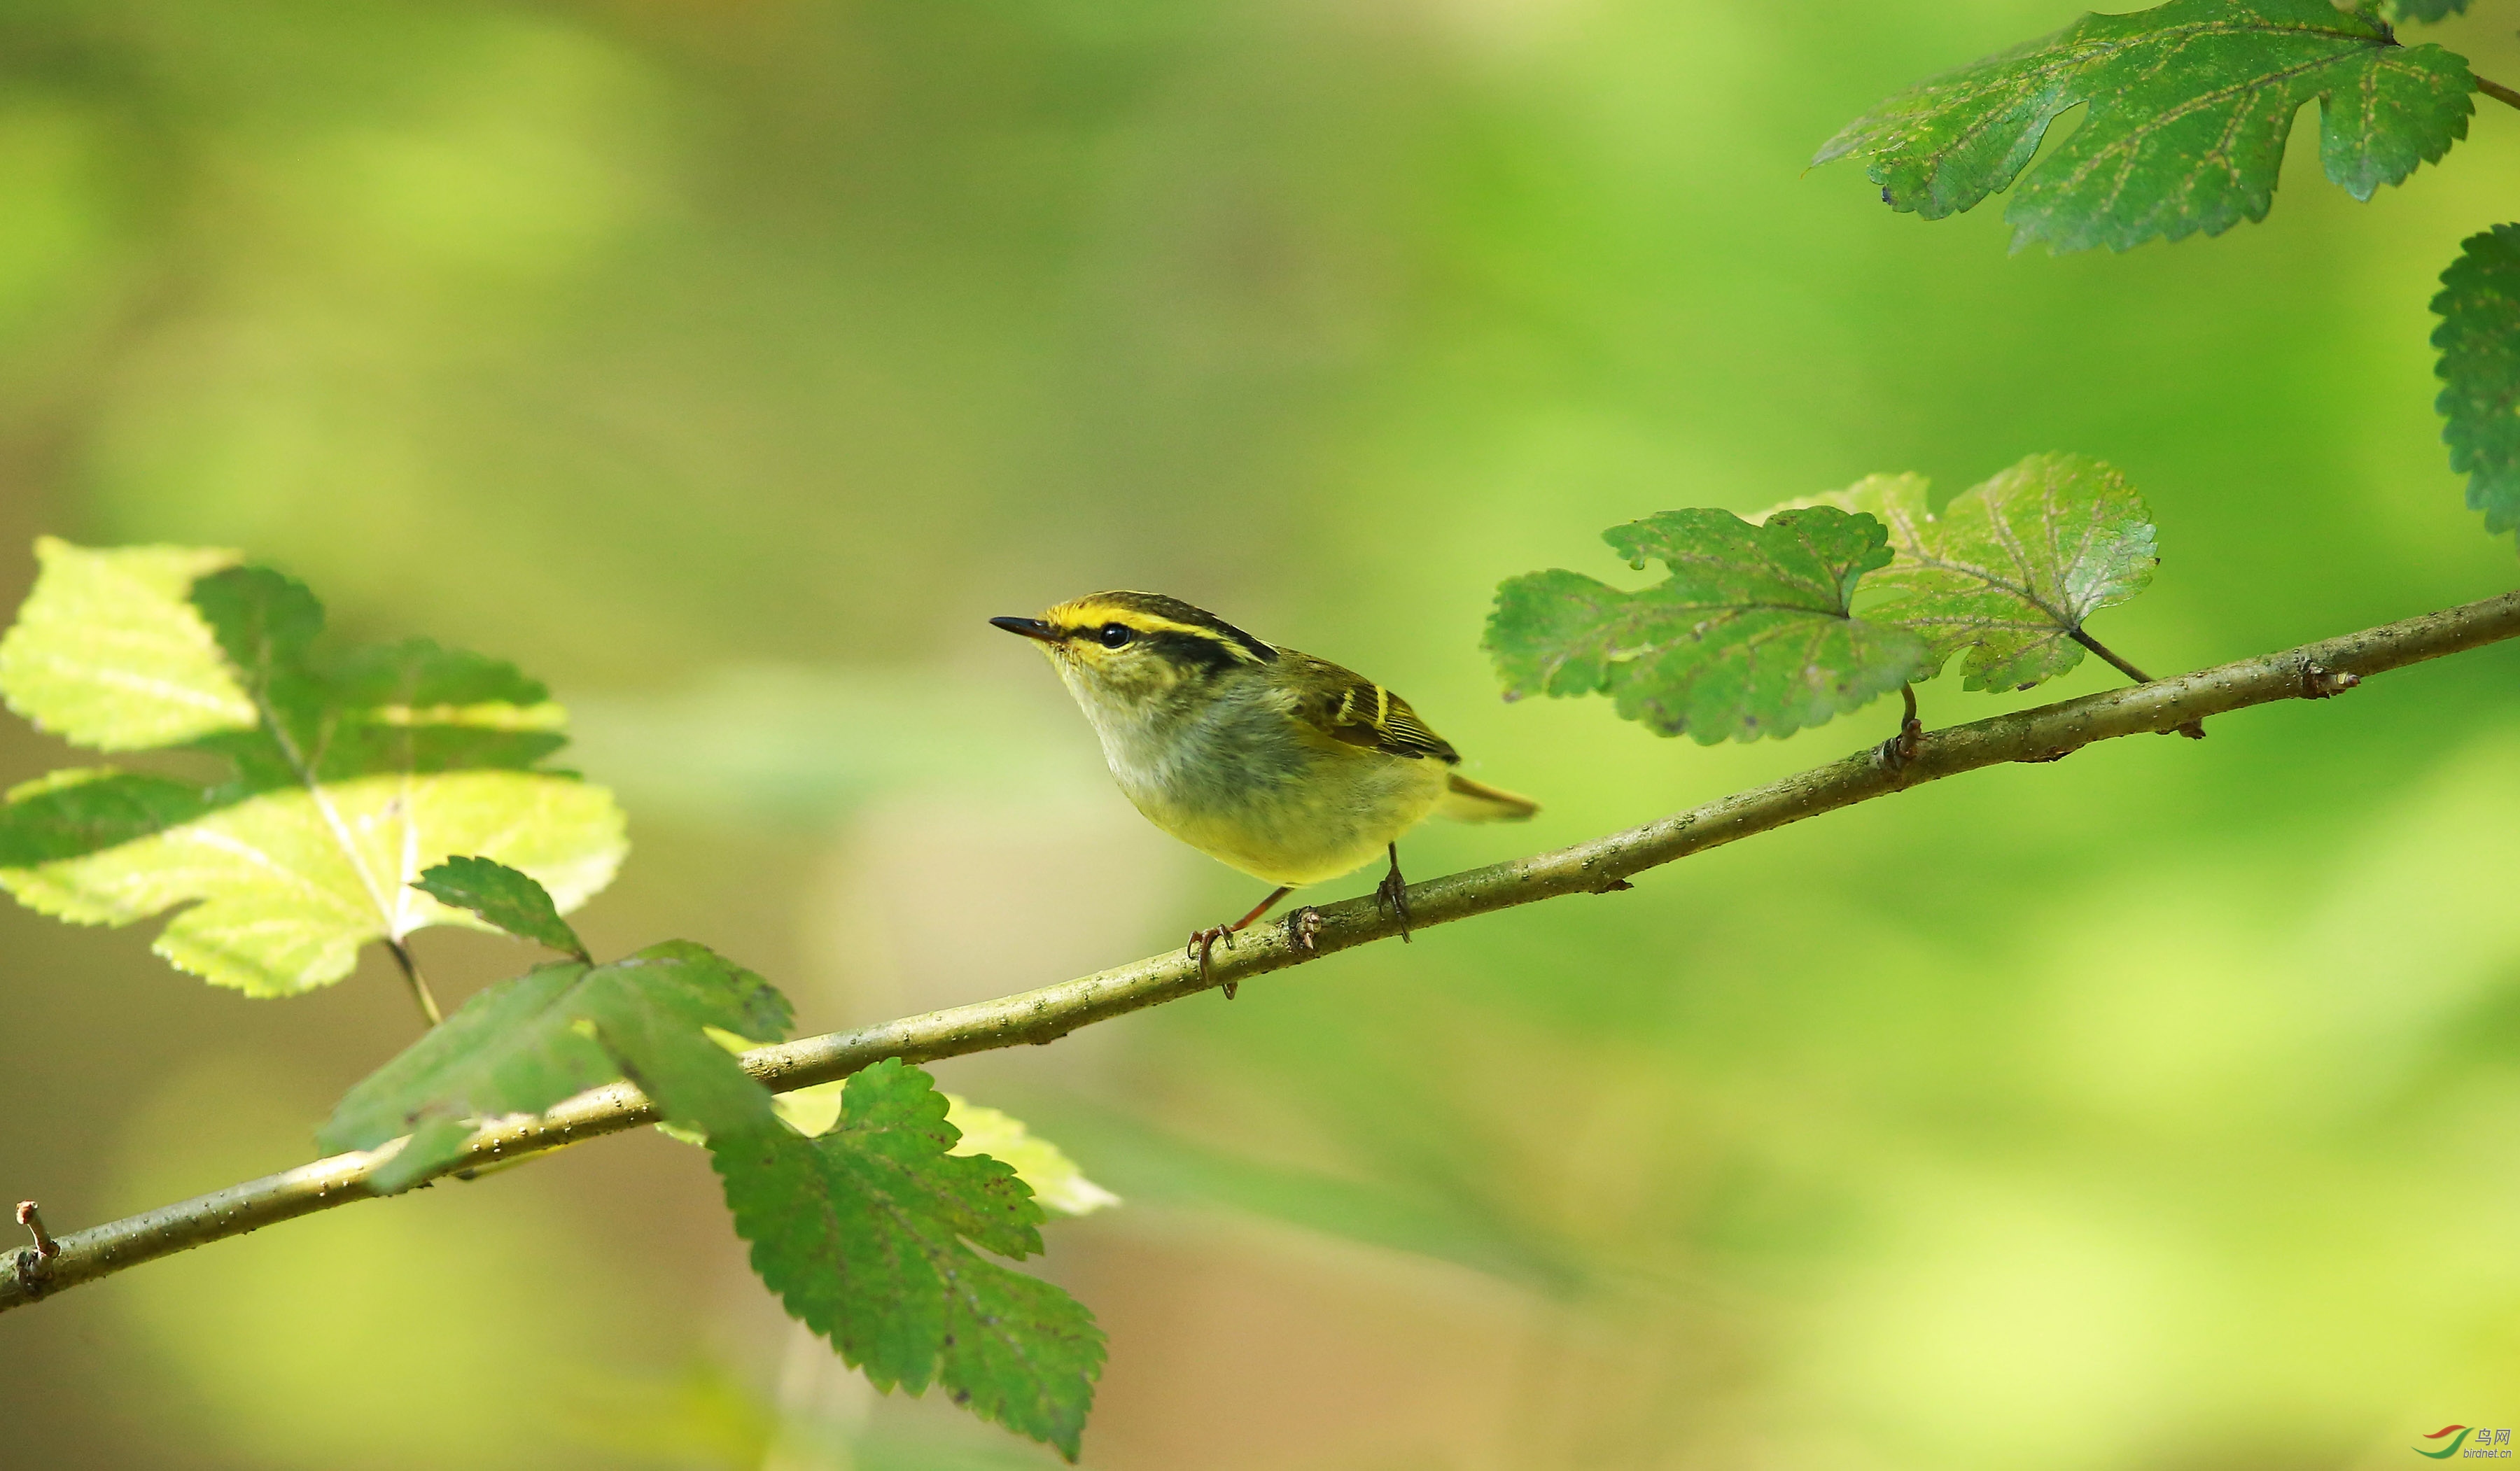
{"points": [[1077, 617], [1151, 624]]}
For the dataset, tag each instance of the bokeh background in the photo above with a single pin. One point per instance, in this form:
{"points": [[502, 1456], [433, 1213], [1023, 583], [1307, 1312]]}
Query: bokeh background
{"points": [[727, 362]]}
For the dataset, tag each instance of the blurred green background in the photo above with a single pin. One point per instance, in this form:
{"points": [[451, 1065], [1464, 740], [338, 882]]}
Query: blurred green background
{"points": [[728, 362]]}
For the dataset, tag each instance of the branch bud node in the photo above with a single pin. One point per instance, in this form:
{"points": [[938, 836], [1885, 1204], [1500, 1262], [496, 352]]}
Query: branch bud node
{"points": [[2319, 681], [1302, 926], [33, 1221]]}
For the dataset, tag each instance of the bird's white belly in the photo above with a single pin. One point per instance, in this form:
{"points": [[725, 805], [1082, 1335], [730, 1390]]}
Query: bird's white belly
{"points": [[1252, 794]]}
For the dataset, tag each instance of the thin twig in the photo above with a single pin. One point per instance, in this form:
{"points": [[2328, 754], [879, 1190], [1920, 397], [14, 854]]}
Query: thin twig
{"points": [[419, 986], [1600, 866], [2195, 730], [2498, 92]]}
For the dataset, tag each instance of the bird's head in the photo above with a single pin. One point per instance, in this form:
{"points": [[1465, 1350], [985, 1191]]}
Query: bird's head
{"points": [[1127, 648]]}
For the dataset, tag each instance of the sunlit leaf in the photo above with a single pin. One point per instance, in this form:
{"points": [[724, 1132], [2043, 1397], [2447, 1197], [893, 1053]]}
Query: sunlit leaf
{"points": [[867, 1233], [108, 652], [2008, 572], [1751, 635], [286, 886], [349, 774], [2479, 339], [1056, 1180], [2190, 104], [525, 1044], [506, 898]]}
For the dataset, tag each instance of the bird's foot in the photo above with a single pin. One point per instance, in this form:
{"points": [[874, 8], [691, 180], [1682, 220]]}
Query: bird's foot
{"points": [[1392, 894], [1202, 948], [1302, 926]]}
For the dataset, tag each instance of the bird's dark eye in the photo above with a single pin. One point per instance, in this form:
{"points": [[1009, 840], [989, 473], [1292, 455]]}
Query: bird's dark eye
{"points": [[1116, 634]]}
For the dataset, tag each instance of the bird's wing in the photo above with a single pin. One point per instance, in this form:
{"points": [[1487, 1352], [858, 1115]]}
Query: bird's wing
{"points": [[1347, 706]]}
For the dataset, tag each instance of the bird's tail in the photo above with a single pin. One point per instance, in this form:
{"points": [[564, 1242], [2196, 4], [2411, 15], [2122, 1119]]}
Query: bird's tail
{"points": [[1471, 801]]}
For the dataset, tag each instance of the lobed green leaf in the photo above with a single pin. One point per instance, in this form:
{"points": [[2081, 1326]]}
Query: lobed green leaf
{"points": [[283, 887], [1056, 1180], [2479, 339], [349, 776], [1752, 634], [108, 654], [523, 1045], [2008, 572], [867, 1233], [504, 897], [2190, 104]]}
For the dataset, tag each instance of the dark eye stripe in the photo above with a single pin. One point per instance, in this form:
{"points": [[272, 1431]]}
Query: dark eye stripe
{"points": [[1110, 634], [1174, 610], [1210, 653], [1192, 650]]}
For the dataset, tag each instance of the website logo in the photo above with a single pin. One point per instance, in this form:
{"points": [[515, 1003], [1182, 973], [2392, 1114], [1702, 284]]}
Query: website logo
{"points": [[2468, 1442]]}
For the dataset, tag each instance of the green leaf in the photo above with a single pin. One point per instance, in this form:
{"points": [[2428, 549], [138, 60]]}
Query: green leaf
{"points": [[1055, 1179], [107, 655], [507, 899], [349, 774], [1751, 636], [289, 884], [407, 706], [525, 1044], [867, 1233], [2479, 339], [2190, 104], [2010, 569], [82, 810], [2404, 11]]}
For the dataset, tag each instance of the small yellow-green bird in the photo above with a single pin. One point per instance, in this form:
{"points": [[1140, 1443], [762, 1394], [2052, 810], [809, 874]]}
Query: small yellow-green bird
{"points": [[1286, 767]]}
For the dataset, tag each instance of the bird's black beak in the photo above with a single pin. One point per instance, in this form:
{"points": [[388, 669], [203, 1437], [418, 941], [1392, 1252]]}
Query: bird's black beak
{"points": [[1030, 628]]}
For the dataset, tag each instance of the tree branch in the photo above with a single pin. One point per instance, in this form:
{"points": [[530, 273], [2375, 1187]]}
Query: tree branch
{"points": [[2498, 92], [2195, 730], [1603, 864]]}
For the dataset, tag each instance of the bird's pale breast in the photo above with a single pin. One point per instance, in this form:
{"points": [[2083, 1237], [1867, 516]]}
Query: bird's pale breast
{"points": [[1240, 778]]}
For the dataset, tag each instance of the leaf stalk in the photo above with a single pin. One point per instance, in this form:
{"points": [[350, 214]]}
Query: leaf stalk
{"points": [[412, 977], [2195, 730]]}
